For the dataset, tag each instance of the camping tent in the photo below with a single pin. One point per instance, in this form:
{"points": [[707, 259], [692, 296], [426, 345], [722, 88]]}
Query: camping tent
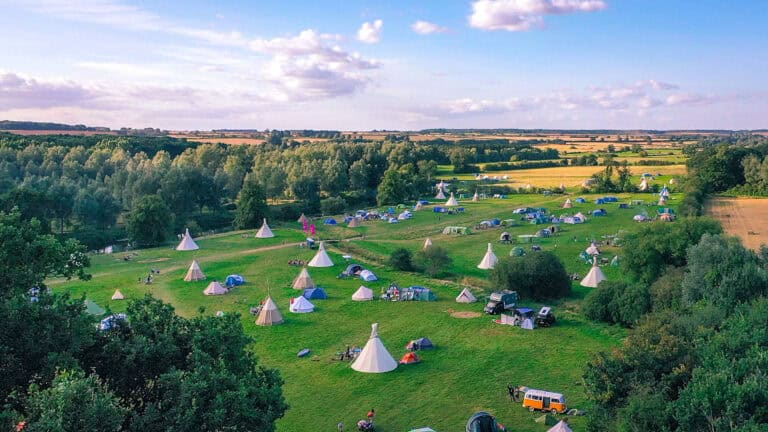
{"points": [[410, 358], [561, 426], [451, 201], [215, 288], [489, 260], [639, 218], [374, 358], [321, 258], [505, 237], [269, 314], [118, 295], [664, 192], [315, 294], [440, 190], [427, 243], [368, 276], [465, 296], [417, 293], [264, 231], [187, 244], [592, 249], [234, 280], [568, 203], [517, 251], [93, 309], [420, 344], [353, 223], [663, 201], [594, 277], [482, 422], [363, 294], [527, 324], [475, 197], [643, 185], [301, 305], [194, 273], [303, 219], [303, 281], [330, 221]]}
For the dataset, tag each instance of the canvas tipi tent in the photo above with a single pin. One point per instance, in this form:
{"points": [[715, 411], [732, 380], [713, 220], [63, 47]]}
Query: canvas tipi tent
{"points": [[321, 258], [662, 200], [440, 191], [301, 305], [568, 203], [475, 197], [302, 219], [374, 358], [427, 243], [194, 273], [187, 244], [353, 223], [264, 231], [465, 296], [363, 294], [215, 288], [561, 426], [643, 185], [489, 260], [118, 295], [594, 277], [269, 314], [592, 249], [451, 201], [303, 281]]}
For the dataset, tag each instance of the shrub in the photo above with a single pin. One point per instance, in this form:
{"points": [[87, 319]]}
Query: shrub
{"points": [[617, 303], [537, 276], [401, 259], [333, 205], [433, 261]]}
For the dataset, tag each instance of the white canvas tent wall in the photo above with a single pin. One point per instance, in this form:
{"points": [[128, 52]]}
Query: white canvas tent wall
{"points": [[427, 243], [475, 197], [568, 203], [451, 201], [303, 281], [561, 426], [301, 305], [118, 295], [363, 294], [187, 244], [662, 201], [465, 296], [643, 185], [592, 249], [302, 219], [374, 358], [264, 231], [194, 273], [215, 288], [594, 277], [269, 314], [489, 260], [321, 258], [440, 195]]}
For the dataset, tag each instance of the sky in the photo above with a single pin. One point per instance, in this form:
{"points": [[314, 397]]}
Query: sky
{"points": [[395, 65]]}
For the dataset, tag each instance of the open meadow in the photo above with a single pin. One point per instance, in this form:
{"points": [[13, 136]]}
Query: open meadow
{"points": [[742, 217], [475, 358]]}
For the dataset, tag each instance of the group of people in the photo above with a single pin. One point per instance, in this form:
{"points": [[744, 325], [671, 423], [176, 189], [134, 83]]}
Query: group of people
{"points": [[296, 262], [364, 425], [514, 393]]}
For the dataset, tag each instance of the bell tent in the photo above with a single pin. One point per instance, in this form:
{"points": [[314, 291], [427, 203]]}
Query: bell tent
{"points": [[363, 294], [187, 244], [303, 281], [118, 295], [489, 260], [264, 231], [215, 288], [194, 273], [451, 201], [301, 305], [374, 358], [321, 258], [465, 296], [594, 277], [561, 426], [269, 314]]}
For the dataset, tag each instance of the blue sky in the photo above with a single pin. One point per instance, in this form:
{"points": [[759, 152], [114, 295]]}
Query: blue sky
{"points": [[410, 64]]}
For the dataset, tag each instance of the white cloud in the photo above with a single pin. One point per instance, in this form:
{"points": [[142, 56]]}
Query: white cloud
{"points": [[370, 32], [17, 91], [522, 15], [426, 27]]}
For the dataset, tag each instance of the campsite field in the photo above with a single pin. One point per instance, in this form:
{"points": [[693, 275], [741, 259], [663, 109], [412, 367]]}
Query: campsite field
{"points": [[475, 358], [742, 217]]}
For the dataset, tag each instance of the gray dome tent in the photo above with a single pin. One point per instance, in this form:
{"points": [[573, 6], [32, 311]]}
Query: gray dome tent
{"points": [[482, 422]]}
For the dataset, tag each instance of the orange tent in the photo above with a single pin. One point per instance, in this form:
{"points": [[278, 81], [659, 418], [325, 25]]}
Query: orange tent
{"points": [[410, 358]]}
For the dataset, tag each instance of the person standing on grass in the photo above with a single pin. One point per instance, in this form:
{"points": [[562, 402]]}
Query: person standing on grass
{"points": [[371, 415]]}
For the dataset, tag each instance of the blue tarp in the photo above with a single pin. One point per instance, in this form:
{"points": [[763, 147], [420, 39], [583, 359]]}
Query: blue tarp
{"points": [[234, 280], [496, 222], [330, 221], [315, 294], [111, 321], [424, 202], [438, 209]]}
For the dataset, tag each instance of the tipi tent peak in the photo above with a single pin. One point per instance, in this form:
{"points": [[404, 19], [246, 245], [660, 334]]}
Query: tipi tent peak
{"points": [[187, 243], [451, 201], [561, 426], [475, 197], [321, 258], [269, 314], [374, 358], [303, 281], [118, 295], [465, 296], [264, 231], [489, 260], [302, 219], [194, 273]]}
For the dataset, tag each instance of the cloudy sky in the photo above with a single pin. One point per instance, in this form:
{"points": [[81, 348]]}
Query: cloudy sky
{"points": [[400, 64]]}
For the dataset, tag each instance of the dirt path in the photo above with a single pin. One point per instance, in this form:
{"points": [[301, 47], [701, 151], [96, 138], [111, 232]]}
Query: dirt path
{"points": [[746, 218]]}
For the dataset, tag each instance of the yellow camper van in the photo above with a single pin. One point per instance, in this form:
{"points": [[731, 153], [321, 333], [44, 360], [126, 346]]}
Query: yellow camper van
{"points": [[544, 401]]}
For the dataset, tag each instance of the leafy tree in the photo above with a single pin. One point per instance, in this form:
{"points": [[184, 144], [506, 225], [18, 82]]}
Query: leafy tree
{"points": [[74, 403], [96, 207], [433, 260], [251, 204], [307, 189], [536, 276], [393, 188], [401, 259], [150, 221], [333, 205]]}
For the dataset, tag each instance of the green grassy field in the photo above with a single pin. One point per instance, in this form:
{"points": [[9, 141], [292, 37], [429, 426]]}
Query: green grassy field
{"points": [[475, 358]]}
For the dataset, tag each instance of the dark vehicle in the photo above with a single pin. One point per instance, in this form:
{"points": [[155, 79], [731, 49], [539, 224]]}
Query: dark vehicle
{"points": [[501, 301], [545, 317]]}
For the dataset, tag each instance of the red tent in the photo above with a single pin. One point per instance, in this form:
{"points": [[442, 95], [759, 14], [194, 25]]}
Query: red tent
{"points": [[410, 358]]}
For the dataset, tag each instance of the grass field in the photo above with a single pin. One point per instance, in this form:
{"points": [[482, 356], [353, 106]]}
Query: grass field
{"points": [[475, 358], [742, 217]]}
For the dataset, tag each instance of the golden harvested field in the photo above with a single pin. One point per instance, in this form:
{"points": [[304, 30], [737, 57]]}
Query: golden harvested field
{"points": [[742, 217], [228, 140], [573, 176]]}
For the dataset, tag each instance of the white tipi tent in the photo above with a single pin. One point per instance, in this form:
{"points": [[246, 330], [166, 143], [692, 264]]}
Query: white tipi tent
{"points": [[568, 203], [118, 295], [303, 281], [465, 296], [440, 190], [475, 197], [374, 358], [264, 231], [363, 294], [301, 305], [427, 243], [321, 258], [269, 314], [353, 223], [194, 273], [643, 185], [561, 426], [215, 288], [592, 249], [187, 244], [489, 260], [302, 219], [594, 277], [451, 201]]}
